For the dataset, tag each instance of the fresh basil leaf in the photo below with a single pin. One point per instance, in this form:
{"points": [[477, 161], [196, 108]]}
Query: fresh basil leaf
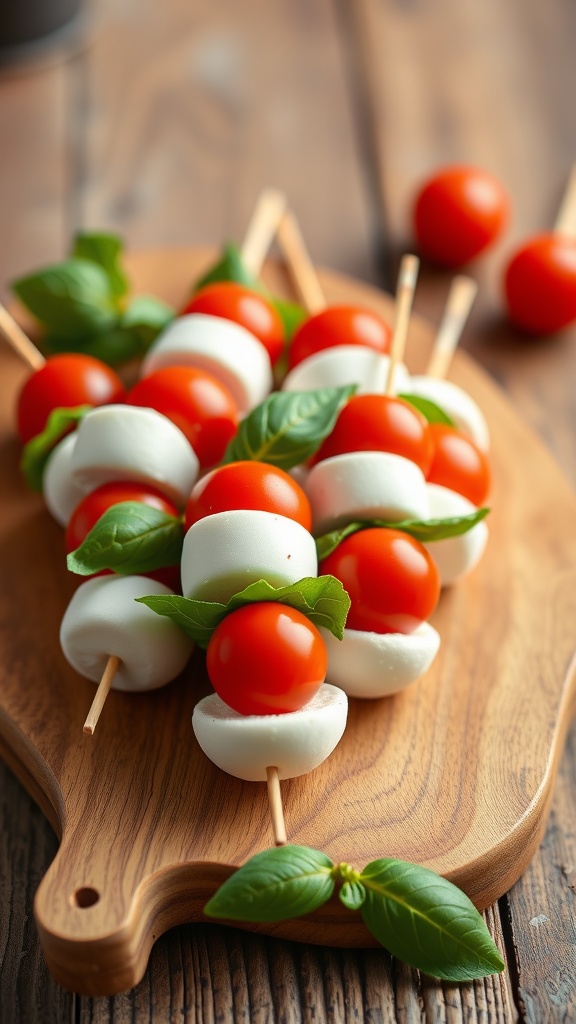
{"points": [[38, 450], [144, 318], [105, 250], [288, 426], [291, 315], [424, 530], [352, 895], [432, 412], [229, 267], [427, 922], [275, 885], [112, 347], [129, 538], [198, 619], [71, 299]]}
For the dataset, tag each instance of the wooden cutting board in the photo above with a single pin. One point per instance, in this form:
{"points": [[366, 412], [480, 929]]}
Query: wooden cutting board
{"points": [[455, 773]]}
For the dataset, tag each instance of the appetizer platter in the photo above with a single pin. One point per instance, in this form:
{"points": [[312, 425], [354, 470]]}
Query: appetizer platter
{"points": [[454, 772]]}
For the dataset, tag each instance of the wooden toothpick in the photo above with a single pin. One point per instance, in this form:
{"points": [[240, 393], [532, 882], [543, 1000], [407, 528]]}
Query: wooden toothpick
{"points": [[460, 298], [404, 297], [565, 223], [276, 808], [101, 694], [19, 341], [300, 266], [268, 212]]}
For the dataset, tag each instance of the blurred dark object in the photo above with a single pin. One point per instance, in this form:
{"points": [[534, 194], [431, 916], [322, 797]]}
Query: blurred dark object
{"points": [[25, 22]]}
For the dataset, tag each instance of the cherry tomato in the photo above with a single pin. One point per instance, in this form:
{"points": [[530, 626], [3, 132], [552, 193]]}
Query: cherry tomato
{"points": [[339, 325], [458, 213], [380, 423], [266, 659], [540, 284], [392, 581], [248, 485], [196, 402], [458, 463], [65, 381], [233, 301]]}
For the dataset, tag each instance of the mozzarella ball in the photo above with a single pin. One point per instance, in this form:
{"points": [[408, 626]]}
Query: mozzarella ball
{"points": [[346, 364], [365, 485], [223, 348], [457, 404], [371, 665], [103, 618], [126, 442], [295, 743], [225, 552], [62, 492], [455, 557]]}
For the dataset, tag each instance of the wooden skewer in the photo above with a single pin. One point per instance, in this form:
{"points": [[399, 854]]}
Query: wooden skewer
{"points": [[565, 223], [300, 265], [404, 297], [264, 223], [276, 808], [19, 341], [101, 694], [461, 296]]}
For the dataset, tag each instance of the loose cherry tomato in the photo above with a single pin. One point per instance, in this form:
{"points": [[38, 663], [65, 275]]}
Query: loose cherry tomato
{"points": [[65, 381], [233, 301], [196, 402], [540, 284], [339, 325], [458, 213], [392, 581], [266, 659], [380, 423], [458, 463], [248, 485]]}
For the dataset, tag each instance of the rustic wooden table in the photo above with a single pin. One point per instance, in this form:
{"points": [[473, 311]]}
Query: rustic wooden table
{"points": [[163, 124]]}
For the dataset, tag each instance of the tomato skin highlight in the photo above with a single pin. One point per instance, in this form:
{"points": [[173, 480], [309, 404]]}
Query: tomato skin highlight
{"points": [[339, 325], [266, 659], [540, 284], [65, 381], [233, 301], [380, 423], [458, 213], [458, 464], [392, 581], [196, 402], [248, 485]]}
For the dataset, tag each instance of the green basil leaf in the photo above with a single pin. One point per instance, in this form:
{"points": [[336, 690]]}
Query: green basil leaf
{"points": [[198, 619], [112, 347], [38, 450], [129, 538], [275, 885], [291, 315], [427, 922], [144, 318], [105, 250], [424, 530], [352, 895], [71, 299], [229, 267], [432, 412], [288, 426]]}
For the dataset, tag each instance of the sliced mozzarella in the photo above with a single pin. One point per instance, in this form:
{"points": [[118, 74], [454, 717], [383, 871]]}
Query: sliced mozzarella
{"points": [[346, 364], [457, 404], [225, 552], [103, 618], [294, 743], [223, 348], [371, 665], [62, 492], [126, 442], [455, 557], [299, 474], [365, 485]]}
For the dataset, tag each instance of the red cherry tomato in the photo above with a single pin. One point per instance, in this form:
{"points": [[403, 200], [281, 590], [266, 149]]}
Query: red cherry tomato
{"points": [[457, 463], [65, 381], [458, 213], [540, 284], [392, 581], [380, 423], [339, 325], [266, 659], [196, 402], [248, 485], [233, 301]]}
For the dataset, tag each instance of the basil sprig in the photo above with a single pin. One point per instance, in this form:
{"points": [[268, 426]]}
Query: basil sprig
{"points": [[432, 412], [321, 598], [420, 917], [129, 538], [37, 451], [424, 530], [288, 426]]}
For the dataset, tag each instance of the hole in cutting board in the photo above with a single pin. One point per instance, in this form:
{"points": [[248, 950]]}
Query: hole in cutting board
{"points": [[85, 897]]}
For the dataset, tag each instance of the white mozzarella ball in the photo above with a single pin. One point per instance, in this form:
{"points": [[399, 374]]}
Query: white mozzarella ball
{"points": [[227, 551], [294, 743], [103, 618], [365, 485], [126, 442], [62, 492], [223, 348], [457, 404], [371, 665], [455, 557], [346, 364]]}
